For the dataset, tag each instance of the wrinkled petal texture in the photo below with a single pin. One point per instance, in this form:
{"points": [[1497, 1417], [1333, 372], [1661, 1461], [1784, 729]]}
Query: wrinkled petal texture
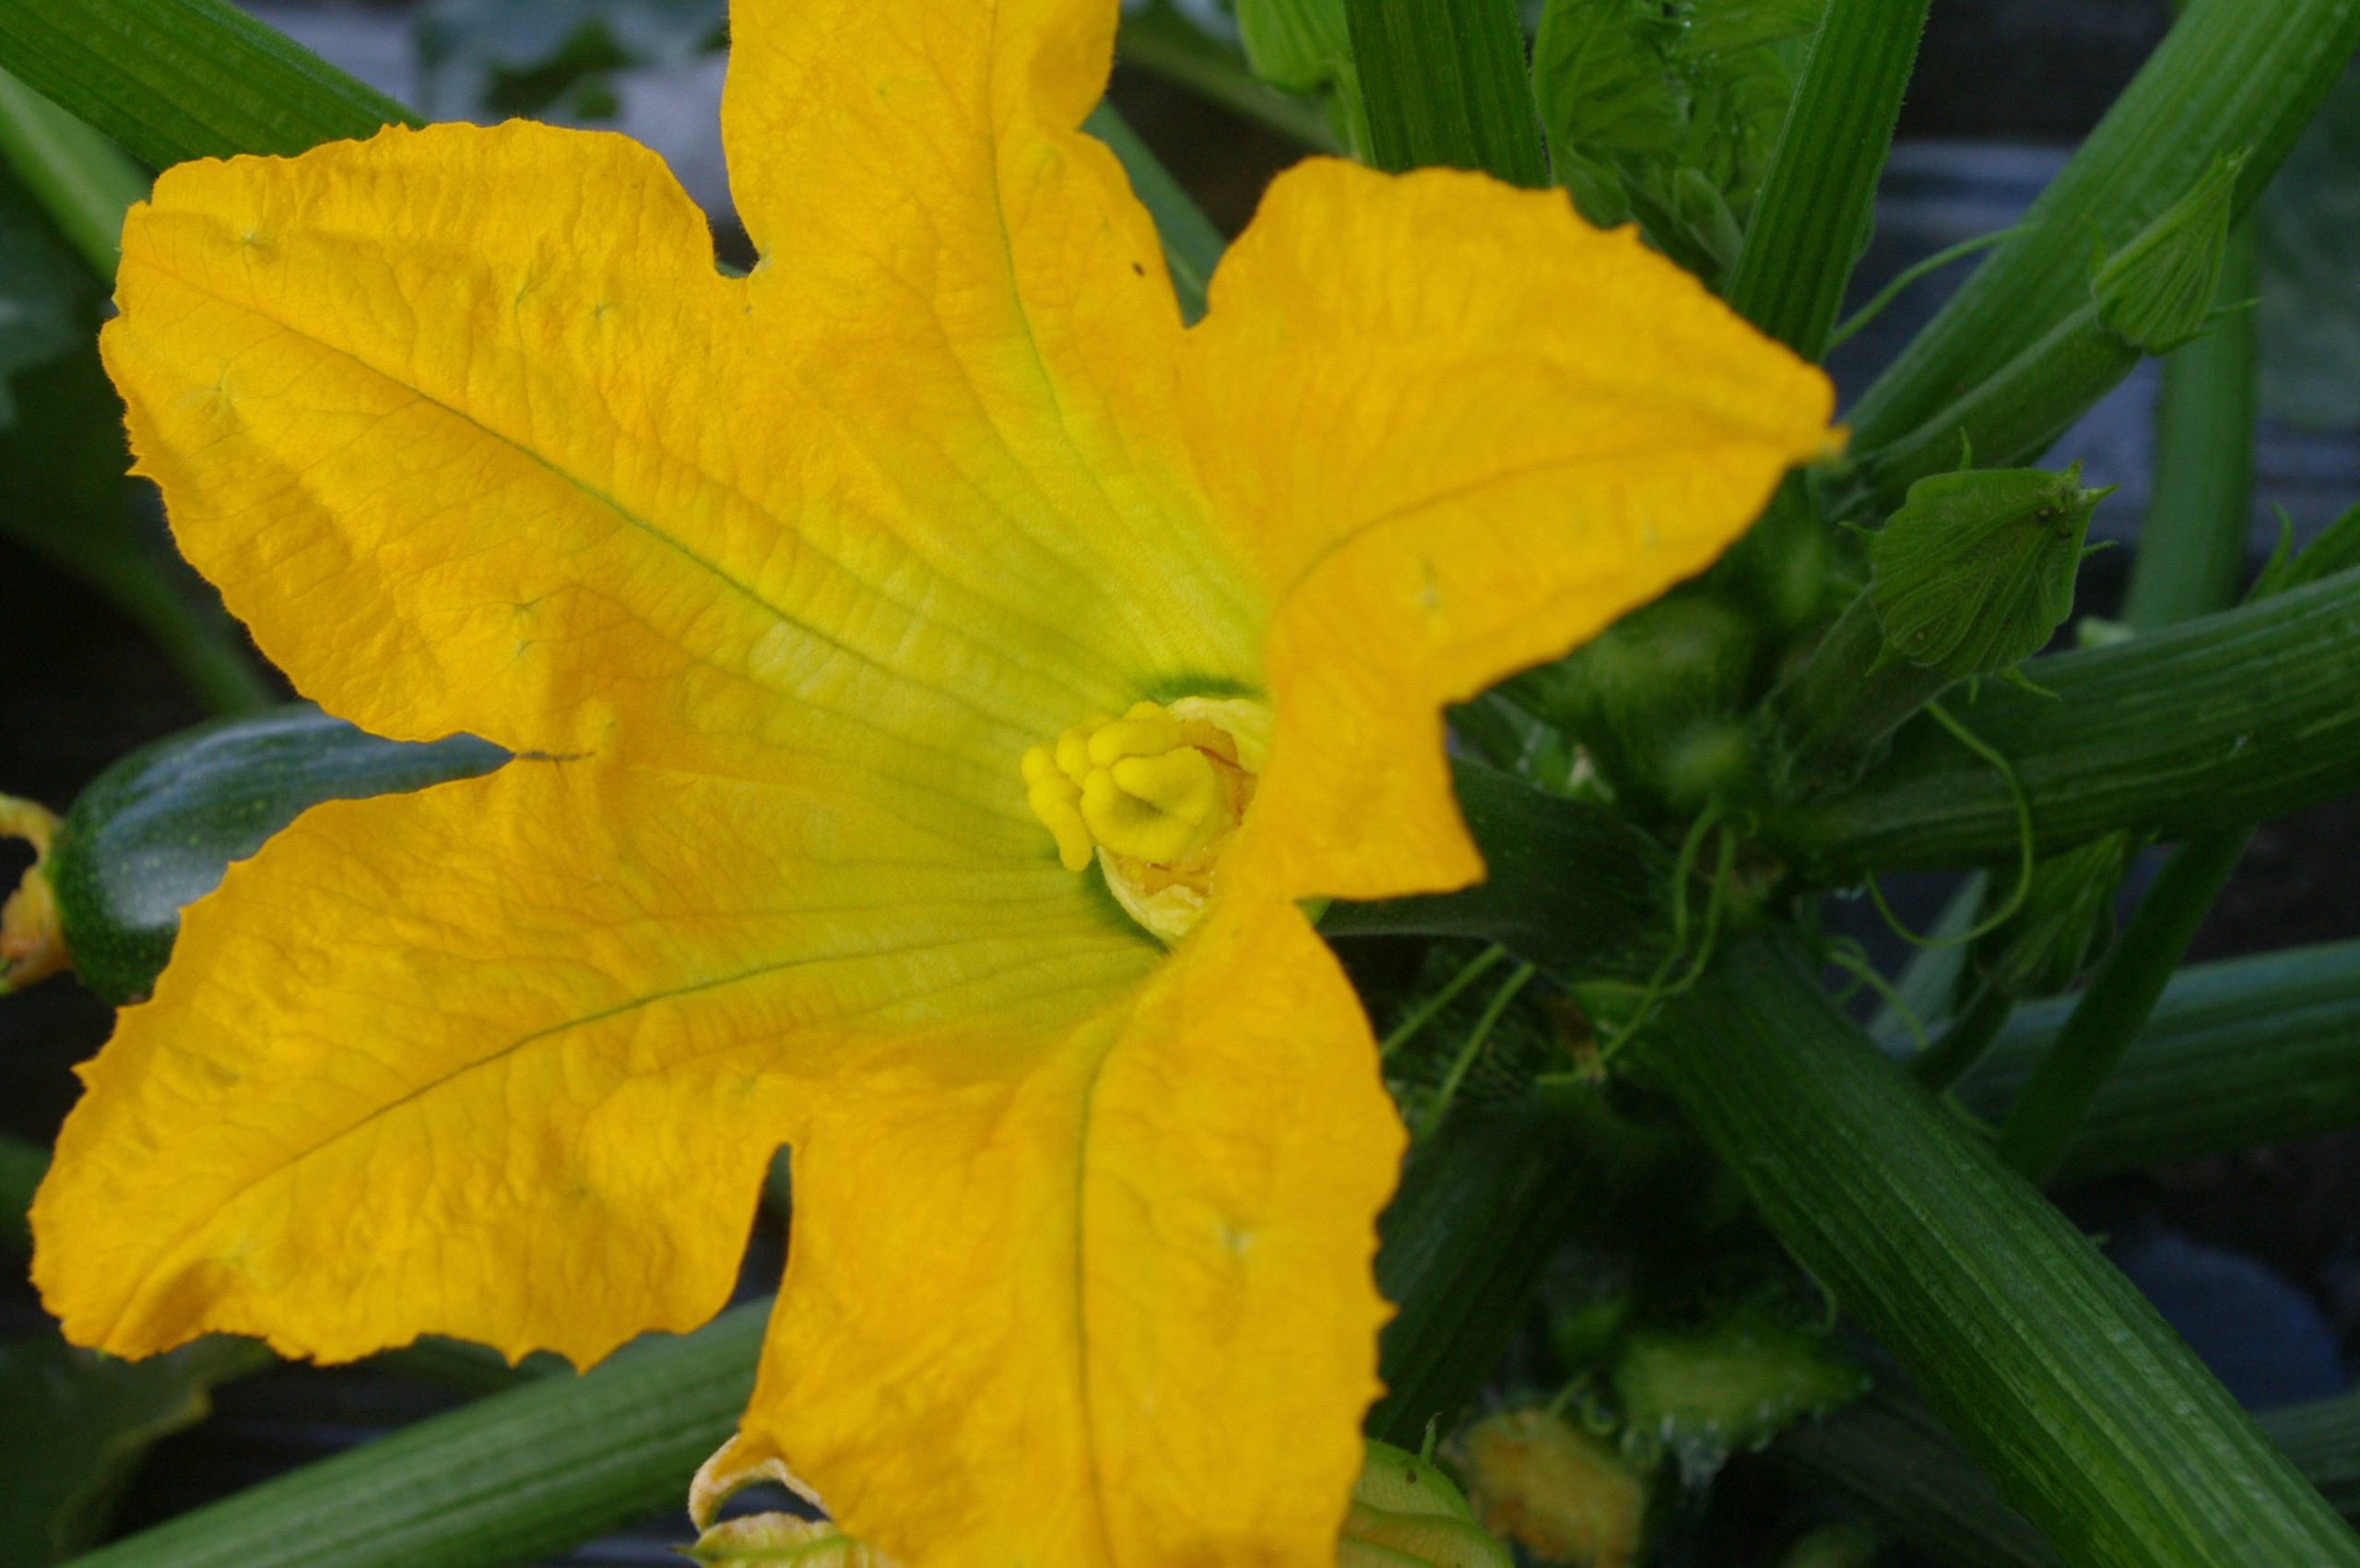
{"points": [[506, 1059], [769, 582], [1109, 1303], [1461, 431]]}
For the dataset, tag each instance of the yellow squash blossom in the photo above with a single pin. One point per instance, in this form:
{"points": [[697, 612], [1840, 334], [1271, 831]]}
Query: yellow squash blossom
{"points": [[832, 614]]}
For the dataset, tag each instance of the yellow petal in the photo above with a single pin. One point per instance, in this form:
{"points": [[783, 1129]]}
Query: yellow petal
{"points": [[506, 1059], [967, 287], [473, 436], [1105, 1302], [1461, 431]]}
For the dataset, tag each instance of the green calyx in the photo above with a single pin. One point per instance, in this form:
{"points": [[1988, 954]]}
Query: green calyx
{"points": [[1975, 573], [1406, 1514], [2157, 291]]}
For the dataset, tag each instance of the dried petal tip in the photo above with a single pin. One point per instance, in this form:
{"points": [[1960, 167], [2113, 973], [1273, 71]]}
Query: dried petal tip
{"points": [[764, 1537], [32, 944]]}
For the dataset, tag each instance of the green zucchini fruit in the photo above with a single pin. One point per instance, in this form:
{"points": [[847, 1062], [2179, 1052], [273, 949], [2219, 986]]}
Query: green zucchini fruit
{"points": [[157, 830]]}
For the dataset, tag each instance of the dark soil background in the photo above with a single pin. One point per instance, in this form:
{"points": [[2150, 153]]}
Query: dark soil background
{"points": [[2257, 1257]]}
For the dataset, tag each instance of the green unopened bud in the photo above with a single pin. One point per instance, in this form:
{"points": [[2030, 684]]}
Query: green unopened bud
{"points": [[1562, 1494], [1406, 1514], [1975, 571], [2157, 291], [1648, 697], [1734, 1385], [2067, 916]]}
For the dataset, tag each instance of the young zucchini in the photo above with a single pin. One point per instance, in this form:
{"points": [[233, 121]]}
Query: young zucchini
{"points": [[159, 829]]}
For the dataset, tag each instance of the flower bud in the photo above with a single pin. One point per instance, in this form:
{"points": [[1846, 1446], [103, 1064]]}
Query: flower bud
{"points": [[1406, 1511], [2157, 293], [1975, 571], [1735, 1384], [1562, 1494]]}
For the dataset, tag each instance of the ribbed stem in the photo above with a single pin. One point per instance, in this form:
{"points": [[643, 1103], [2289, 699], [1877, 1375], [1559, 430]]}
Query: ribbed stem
{"points": [[1445, 83], [2191, 554], [2235, 1054], [1807, 224], [510, 1478], [2232, 75], [2056, 1374], [2129, 982], [2231, 718]]}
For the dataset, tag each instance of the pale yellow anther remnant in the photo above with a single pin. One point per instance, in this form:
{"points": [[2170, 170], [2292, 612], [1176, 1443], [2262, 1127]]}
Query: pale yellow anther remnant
{"points": [[1154, 795]]}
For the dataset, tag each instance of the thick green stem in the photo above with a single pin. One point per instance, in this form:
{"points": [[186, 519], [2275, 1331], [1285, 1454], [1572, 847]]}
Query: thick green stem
{"points": [[2231, 718], [1965, 1042], [1813, 212], [2129, 982], [82, 179], [2253, 1051], [2057, 1375], [1851, 693], [1445, 83], [2009, 417], [1163, 42], [2192, 541], [2232, 75], [510, 1478], [1891, 1459]]}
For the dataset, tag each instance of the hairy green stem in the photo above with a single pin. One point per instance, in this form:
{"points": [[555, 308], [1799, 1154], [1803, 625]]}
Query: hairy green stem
{"points": [[2232, 75], [510, 1478], [1444, 82], [2235, 1054], [2057, 1375], [2192, 541], [1890, 1457], [2129, 982], [1965, 1040], [1163, 42], [1851, 693], [1813, 213], [2231, 718]]}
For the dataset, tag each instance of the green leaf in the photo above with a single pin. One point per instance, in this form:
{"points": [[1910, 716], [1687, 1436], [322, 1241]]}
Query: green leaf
{"points": [[74, 1425], [1445, 83], [2306, 224], [175, 80], [2157, 293], [532, 56]]}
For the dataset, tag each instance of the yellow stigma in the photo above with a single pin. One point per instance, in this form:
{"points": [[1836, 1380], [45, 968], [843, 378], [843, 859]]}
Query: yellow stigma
{"points": [[1153, 797]]}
